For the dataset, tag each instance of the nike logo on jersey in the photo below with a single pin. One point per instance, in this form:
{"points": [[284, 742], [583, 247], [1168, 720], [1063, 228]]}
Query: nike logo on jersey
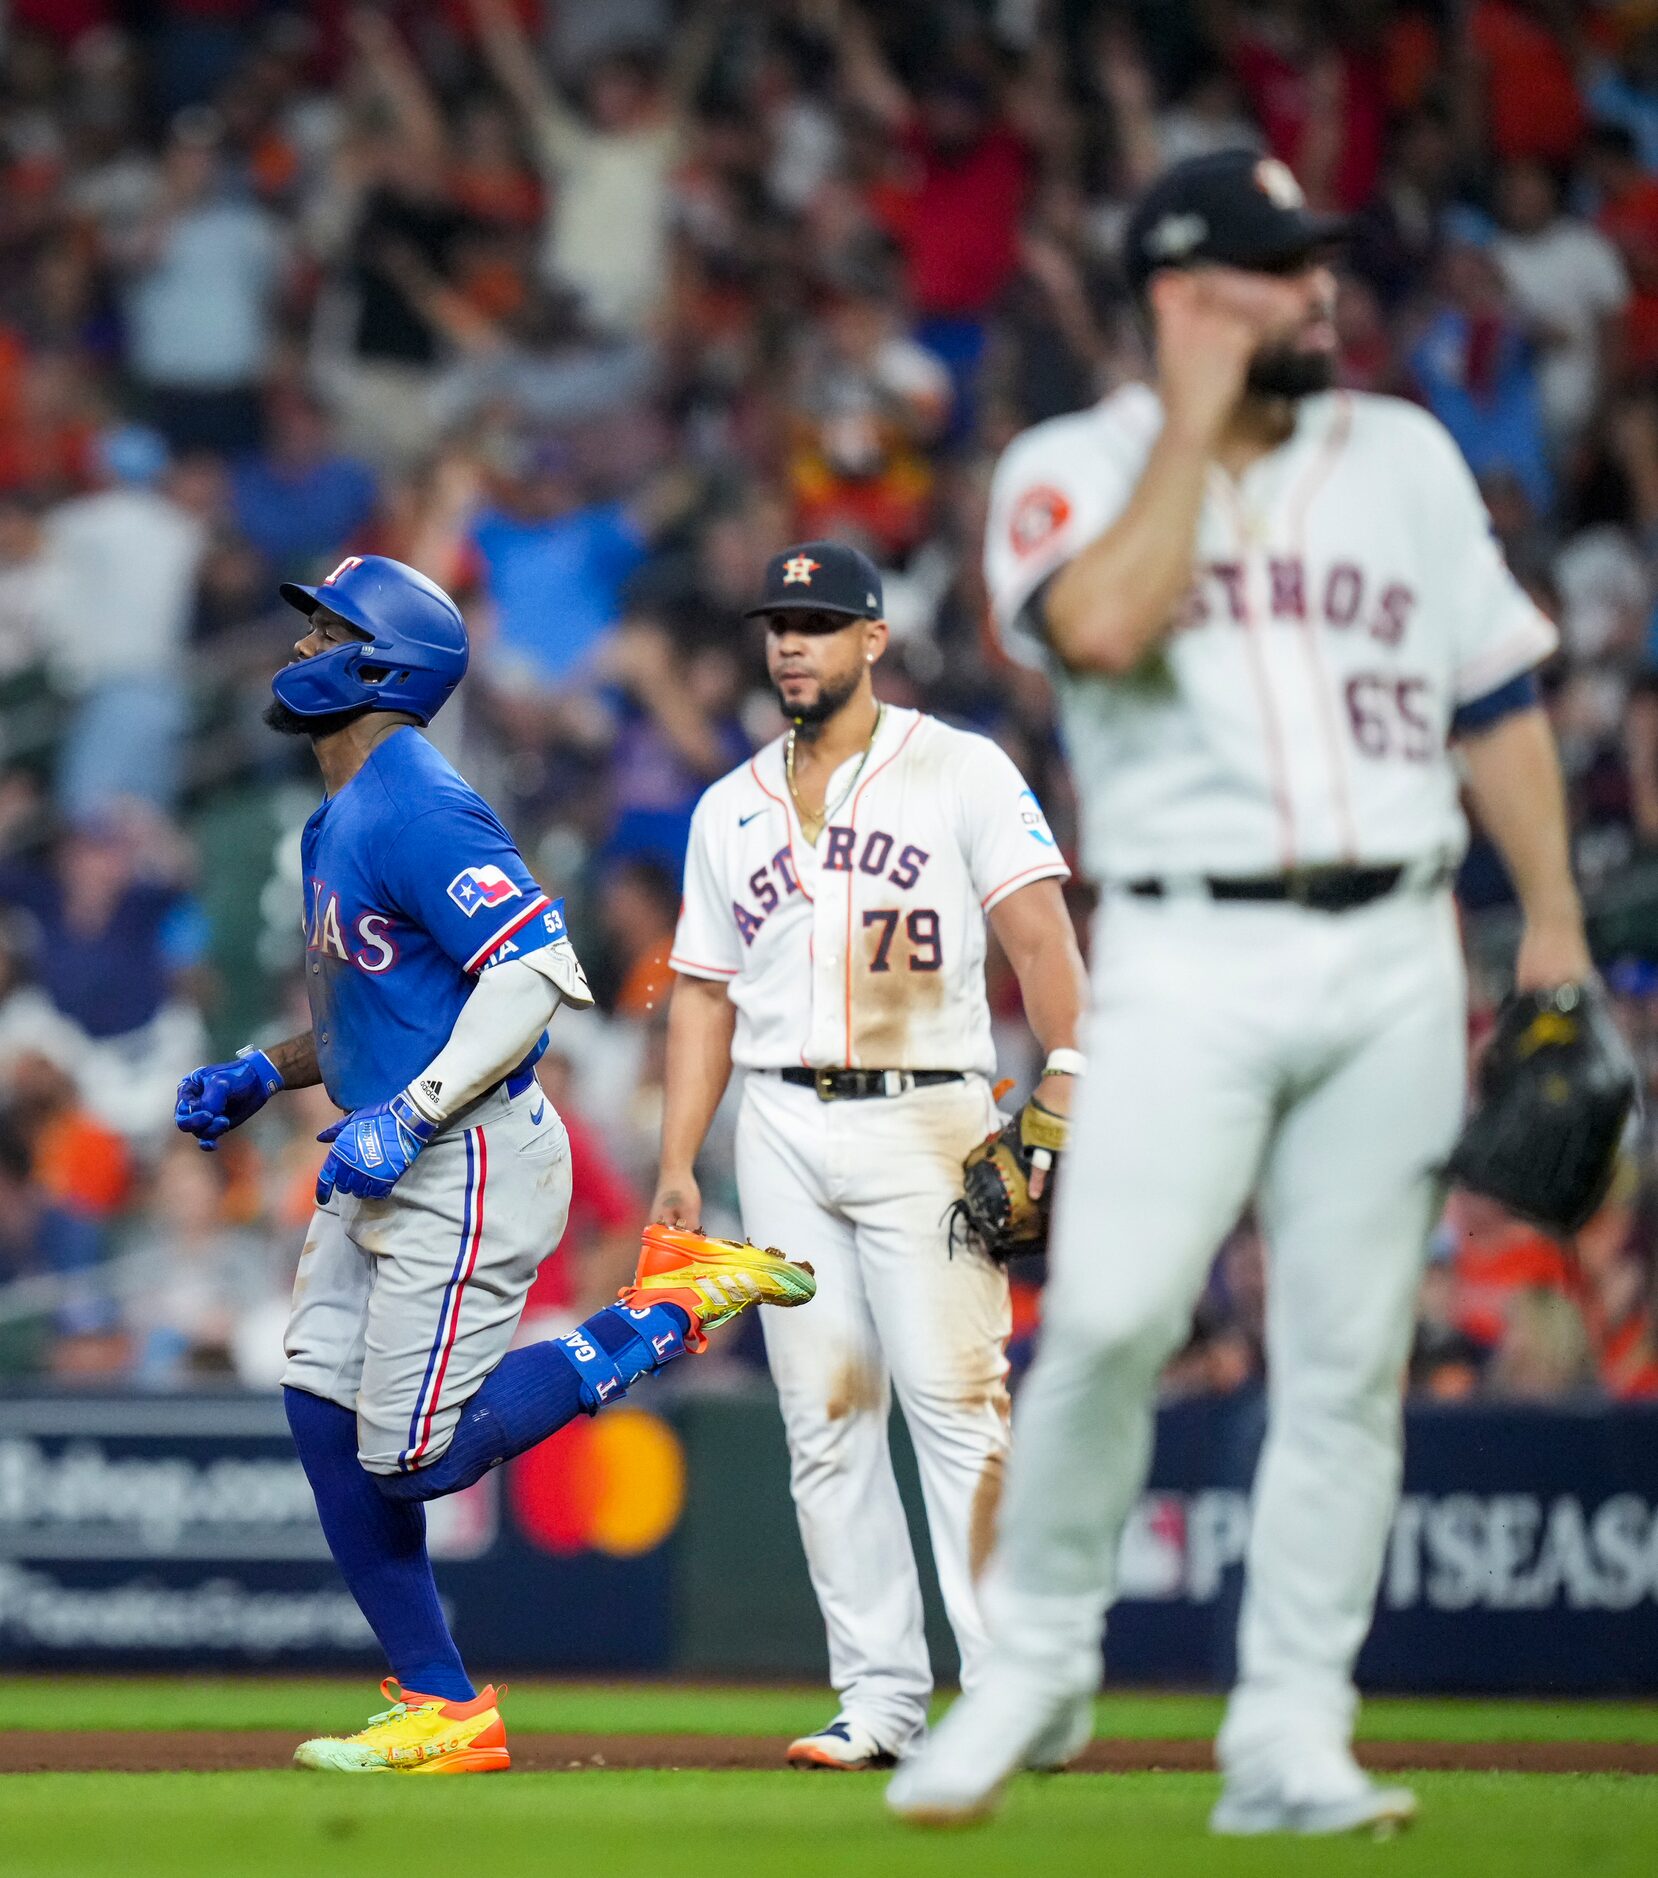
{"points": [[744, 820], [536, 1115]]}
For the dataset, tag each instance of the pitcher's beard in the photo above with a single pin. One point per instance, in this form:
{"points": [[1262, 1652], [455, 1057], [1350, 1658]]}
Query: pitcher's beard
{"points": [[808, 719], [1283, 372]]}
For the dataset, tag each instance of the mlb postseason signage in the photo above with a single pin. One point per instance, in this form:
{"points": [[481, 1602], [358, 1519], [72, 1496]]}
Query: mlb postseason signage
{"points": [[159, 1531], [149, 1531], [1524, 1555]]}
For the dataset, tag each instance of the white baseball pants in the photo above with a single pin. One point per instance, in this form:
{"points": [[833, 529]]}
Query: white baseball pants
{"points": [[1315, 1061], [861, 1190]]}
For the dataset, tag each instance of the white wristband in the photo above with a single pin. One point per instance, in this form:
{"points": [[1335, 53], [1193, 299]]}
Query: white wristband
{"points": [[1065, 1063]]}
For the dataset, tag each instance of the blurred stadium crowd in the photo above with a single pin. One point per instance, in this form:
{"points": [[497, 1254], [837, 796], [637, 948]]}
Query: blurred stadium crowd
{"points": [[585, 310]]}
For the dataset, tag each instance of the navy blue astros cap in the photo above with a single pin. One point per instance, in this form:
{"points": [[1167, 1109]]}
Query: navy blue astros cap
{"points": [[1233, 207], [820, 577]]}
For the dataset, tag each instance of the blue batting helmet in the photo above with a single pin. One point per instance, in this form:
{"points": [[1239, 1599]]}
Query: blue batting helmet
{"points": [[415, 655]]}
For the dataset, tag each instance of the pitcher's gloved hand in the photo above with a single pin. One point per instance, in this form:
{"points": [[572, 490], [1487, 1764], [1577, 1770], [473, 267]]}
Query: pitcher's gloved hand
{"points": [[221, 1096], [996, 1213], [373, 1148], [1556, 1087]]}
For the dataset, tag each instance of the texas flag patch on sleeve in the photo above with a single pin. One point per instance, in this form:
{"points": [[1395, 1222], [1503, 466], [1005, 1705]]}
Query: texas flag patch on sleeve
{"points": [[486, 886]]}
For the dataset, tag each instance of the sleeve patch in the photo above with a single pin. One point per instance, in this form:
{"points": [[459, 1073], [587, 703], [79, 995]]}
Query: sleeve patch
{"points": [[487, 886], [1035, 822], [1037, 516], [499, 947]]}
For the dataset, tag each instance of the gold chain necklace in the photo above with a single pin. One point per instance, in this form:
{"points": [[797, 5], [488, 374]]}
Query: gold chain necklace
{"points": [[811, 826]]}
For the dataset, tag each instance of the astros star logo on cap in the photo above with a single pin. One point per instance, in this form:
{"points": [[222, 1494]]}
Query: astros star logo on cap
{"points": [[1276, 181], [799, 571]]}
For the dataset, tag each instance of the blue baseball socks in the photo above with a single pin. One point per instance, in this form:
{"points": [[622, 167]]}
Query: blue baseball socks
{"points": [[375, 1524], [379, 1545], [531, 1393]]}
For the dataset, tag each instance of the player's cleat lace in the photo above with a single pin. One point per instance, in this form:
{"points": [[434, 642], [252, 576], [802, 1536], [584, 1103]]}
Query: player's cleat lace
{"points": [[418, 1734], [713, 1280]]}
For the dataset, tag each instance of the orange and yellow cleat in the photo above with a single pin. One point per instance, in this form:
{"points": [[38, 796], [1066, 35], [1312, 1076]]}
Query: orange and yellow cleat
{"points": [[418, 1734], [713, 1280]]}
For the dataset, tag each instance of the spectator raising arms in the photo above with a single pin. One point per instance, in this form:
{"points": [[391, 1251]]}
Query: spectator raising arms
{"points": [[584, 311]]}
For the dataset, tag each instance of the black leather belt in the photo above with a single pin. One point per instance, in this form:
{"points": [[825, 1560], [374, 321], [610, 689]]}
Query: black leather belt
{"points": [[858, 1085], [1321, 889]]}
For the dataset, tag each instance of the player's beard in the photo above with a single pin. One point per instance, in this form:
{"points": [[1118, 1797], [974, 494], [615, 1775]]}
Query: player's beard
{"points": [[290, 724], [1289, 372], [833, 694]]}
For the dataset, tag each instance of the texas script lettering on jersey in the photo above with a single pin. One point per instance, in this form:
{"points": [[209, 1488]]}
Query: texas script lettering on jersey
{"points": [[365, 942], [843, 853]]}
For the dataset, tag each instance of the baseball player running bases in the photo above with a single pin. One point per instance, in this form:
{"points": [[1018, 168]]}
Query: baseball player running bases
{"points": [[434, 964], [1276, 618], [832, 945]]}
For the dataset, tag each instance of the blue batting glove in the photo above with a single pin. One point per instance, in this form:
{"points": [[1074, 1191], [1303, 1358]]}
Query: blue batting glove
{"points": [[373, 1149], [221, 1096]]}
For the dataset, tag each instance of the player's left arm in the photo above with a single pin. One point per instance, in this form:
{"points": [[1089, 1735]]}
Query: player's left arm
{"points": [[498, 1026], [1034, 930], [1498, 639], [1513, 775], [455, 874], [1018, 872]]}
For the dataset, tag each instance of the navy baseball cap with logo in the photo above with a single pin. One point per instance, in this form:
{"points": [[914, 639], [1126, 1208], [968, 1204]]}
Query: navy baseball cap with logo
{"points": [[820, 577], [1234, 208]]}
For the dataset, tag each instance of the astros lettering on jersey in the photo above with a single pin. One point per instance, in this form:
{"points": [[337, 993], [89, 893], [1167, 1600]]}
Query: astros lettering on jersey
{"points": [[865, 951], [1348, 597]]}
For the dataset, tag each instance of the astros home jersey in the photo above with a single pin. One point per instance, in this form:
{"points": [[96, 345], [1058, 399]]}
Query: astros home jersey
{"points": [[412, 888], [865, 950], [1347, 597]]}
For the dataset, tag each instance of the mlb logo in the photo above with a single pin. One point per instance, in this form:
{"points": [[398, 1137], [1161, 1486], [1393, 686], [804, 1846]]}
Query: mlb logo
{"points": [[474, 887]]}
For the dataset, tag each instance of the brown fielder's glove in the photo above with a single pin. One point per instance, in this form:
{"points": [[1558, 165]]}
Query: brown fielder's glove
{"points": [[996, 1214], [1556, 1087]]}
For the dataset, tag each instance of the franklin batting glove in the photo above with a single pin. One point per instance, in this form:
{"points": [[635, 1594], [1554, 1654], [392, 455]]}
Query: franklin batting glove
{"points": [[221, 1096], [373, 1148]]}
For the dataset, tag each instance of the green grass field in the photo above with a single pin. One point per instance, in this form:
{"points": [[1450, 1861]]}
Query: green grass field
{"points": [[613, 1825], [313, 1705]]}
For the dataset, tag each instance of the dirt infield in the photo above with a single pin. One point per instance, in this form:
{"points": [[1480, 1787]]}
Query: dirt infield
{"points": [[149, 1751]]}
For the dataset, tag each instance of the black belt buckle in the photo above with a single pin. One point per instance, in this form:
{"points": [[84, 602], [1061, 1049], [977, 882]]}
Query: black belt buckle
{"points": [[824, 1083], [1340, 889], [1319, 889]]}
